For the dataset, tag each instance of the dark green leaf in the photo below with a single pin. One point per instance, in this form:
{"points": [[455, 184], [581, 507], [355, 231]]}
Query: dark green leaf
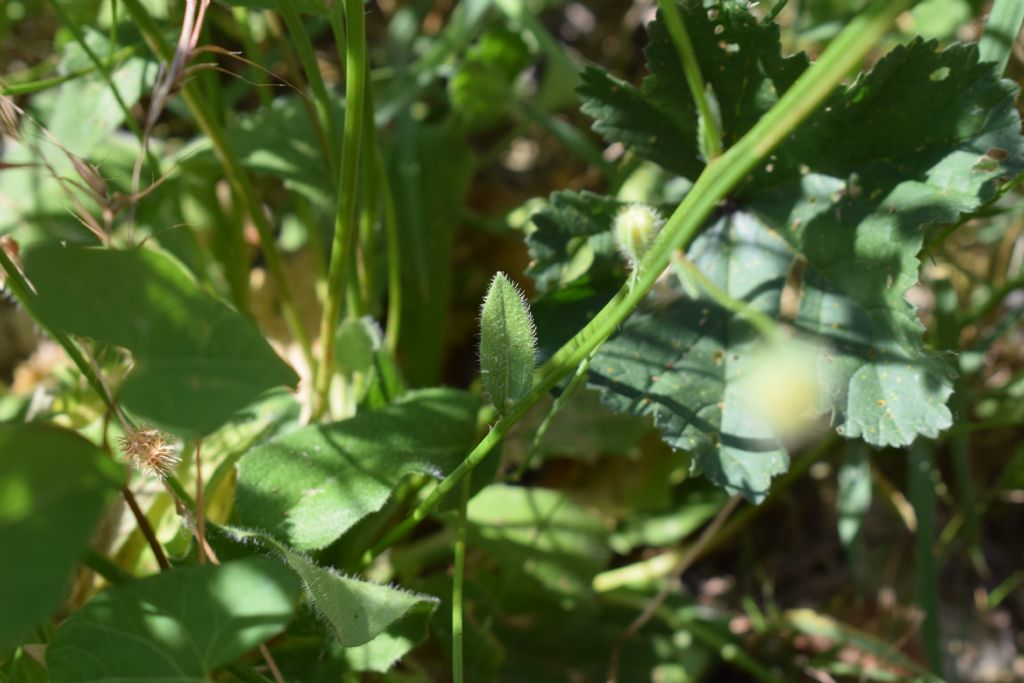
{"points": [[197, 361], [739, 58], [53, 487], [573, 235], [176, 626], [276, 141], [310, 486], [431, 166]]}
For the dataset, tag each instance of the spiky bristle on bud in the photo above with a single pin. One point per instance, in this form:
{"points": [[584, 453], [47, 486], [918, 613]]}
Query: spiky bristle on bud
{"points": [[150, 450], [635, 228]]}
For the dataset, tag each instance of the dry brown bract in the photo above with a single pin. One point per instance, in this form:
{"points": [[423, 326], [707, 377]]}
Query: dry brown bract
{"points": [[150, 450]]}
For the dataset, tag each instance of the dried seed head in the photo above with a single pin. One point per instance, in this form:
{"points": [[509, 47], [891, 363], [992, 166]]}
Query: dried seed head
{"points": [[150, 450], [8, 117]]}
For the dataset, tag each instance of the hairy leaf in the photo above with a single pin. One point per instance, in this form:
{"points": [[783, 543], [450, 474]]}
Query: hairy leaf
{"points": [[176, 626], [53, 487], [357, 611], [508, 347], [197, 361], [309, 487]]}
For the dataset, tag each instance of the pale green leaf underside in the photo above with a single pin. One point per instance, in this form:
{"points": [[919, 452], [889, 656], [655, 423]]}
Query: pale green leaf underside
{"points": [[507, 343], [683, 364], [175, 626], [357, 611], [309, 487]]}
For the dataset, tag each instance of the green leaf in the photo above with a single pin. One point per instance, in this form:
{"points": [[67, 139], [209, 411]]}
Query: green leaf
{"points": [[357, 611], [840, 210], [508, 346], [176, 626], [431, 165], [277, 141], [86, 112], [397, 640], [573, 235], [310, 486], [356, 343], [53, 488], [540, 533], [197, 361], [739, 58], [683, 364]]}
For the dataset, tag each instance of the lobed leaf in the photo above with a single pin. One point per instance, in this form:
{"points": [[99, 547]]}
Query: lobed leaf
{"points": [[841, 211]]}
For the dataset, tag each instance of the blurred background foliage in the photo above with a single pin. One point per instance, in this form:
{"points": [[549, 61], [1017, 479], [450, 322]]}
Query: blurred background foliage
{"points": [[478, 121]]}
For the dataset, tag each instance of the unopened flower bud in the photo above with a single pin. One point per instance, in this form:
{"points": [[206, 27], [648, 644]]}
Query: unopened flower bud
{"points": [[635, 229]]}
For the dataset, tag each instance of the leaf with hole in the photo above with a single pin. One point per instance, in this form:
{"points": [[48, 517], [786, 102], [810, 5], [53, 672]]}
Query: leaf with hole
{"points": [[840, 212]]}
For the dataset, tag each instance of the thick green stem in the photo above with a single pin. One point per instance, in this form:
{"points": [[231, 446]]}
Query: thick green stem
{"points": [[345, 220], [718, 178], [691, 67], [457, 586]]}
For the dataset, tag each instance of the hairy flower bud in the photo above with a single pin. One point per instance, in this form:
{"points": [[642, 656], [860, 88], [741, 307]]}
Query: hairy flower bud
{"points": [[635, 228]]}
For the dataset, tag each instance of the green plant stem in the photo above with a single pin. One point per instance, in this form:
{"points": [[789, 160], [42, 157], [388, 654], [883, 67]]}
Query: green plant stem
{"points": [[922, 474], [304, 48], [556, 407], [677, 621], [393, 326], [694, 79], [30, 87], [105, 567], [236, 177], [1001, 31], [105, 73], [345, 219], [457, 586], [718, 178]]}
